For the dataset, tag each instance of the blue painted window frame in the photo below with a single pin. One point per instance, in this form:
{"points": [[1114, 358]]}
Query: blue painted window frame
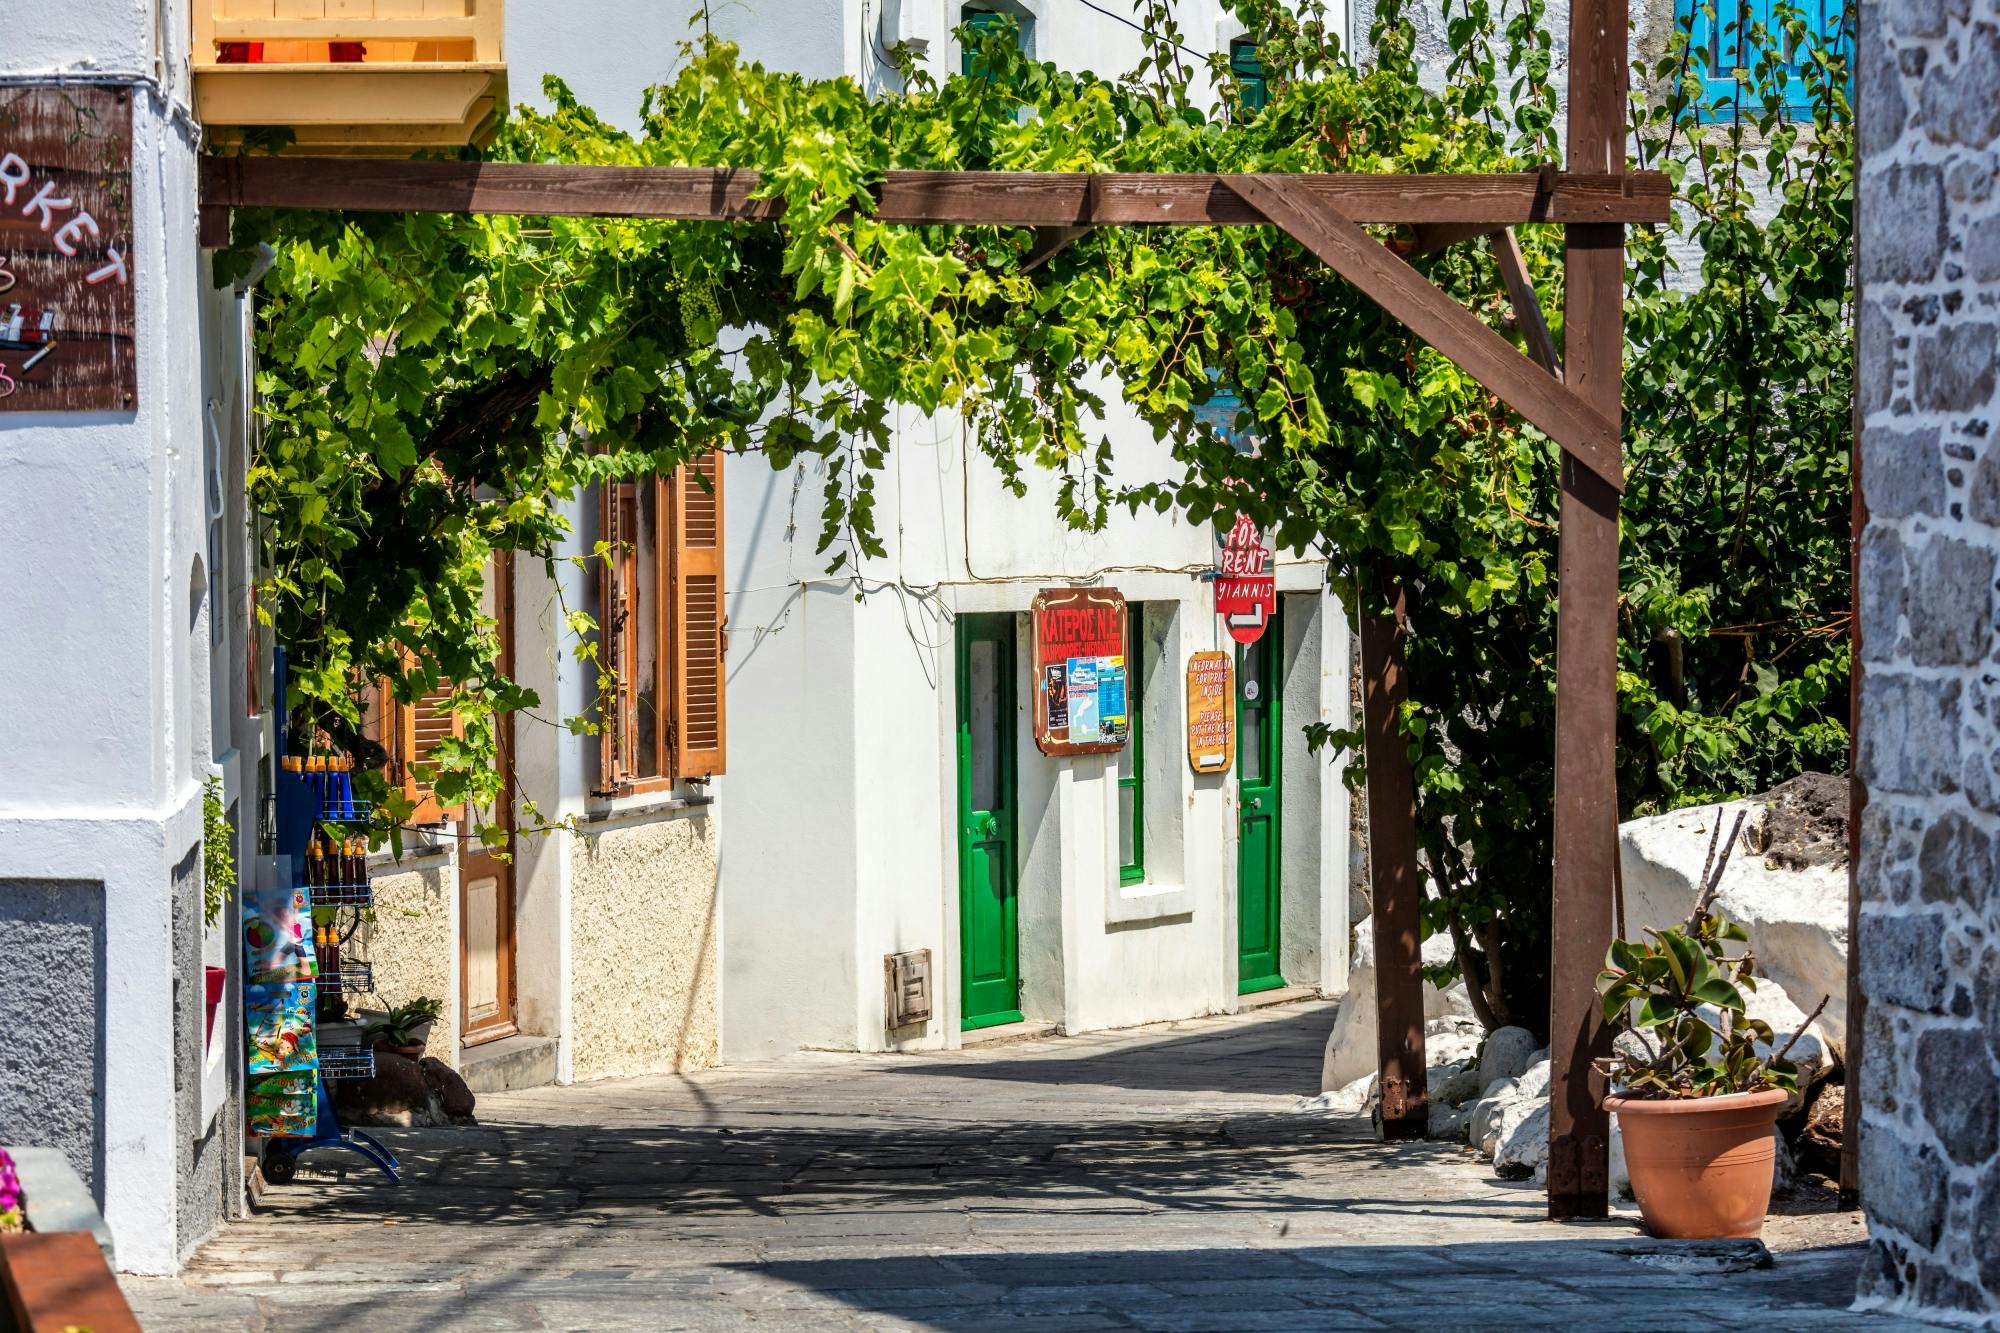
{"points": [[1732, 18], [1248, 67], [982, 21]]}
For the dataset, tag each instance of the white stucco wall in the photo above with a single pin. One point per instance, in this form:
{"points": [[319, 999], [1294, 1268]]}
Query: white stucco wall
{"points": [[104, 666]]}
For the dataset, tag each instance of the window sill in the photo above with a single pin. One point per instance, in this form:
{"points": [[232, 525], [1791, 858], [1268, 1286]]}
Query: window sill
{"points": [[1126, 905], [639, 807]]}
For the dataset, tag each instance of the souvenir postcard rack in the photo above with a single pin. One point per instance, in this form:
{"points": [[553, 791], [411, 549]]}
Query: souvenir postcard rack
{"points": [[295, 979]]}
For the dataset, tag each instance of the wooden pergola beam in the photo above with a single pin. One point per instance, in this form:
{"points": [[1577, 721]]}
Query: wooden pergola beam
{"points": [[966, 198], [1581, 428]]}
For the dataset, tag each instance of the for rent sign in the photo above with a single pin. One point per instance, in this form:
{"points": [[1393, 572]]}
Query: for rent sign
{"points": [[66, 309], [1246, 583], [1080, 696]]}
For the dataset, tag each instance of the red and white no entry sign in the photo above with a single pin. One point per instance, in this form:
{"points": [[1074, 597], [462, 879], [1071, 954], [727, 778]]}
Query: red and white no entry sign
{"points": [[1246, 583]]}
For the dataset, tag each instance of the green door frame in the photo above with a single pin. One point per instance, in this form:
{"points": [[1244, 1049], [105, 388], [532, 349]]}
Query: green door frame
{"points": [[988, 866], [1259, 788]]}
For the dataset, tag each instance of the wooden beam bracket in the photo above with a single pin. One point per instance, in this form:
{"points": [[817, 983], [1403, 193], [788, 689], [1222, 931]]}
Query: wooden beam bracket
{"points": [[1583, 432]]}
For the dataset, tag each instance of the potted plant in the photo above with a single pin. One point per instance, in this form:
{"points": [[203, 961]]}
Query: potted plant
{"points": [[406, 1028], [1697, 1084]]}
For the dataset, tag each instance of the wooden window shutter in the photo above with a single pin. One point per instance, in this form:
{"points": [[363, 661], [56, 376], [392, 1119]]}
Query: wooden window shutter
{"points": [[409, 733], [696, 623], [617, 582]]}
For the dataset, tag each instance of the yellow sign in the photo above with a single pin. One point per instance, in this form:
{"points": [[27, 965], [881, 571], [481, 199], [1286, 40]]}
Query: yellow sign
{"points": [[1211, 712]]}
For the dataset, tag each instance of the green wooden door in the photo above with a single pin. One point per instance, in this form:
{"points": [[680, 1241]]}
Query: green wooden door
{"points": [[989, 903], [1259, 736]]}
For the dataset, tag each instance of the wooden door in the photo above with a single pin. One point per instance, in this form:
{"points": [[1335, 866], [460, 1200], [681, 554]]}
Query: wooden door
{"points": [[485, 881], [1259, 736], [989, 901]]}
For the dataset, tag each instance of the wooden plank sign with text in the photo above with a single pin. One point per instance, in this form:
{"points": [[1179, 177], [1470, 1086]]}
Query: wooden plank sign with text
{"points": [[66, 308], [1246, 581], [1080, 676], [1211, 712]]}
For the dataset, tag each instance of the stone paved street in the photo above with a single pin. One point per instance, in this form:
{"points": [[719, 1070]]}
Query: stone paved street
{"points": [[1148, 1179]]}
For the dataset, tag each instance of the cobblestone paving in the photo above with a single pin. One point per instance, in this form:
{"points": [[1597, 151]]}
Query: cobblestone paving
{"points": [[1138, 1180]]}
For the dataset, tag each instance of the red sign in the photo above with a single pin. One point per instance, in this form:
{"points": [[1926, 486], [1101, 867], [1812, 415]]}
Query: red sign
{"points": [[1081, 705], [1246, 582]]}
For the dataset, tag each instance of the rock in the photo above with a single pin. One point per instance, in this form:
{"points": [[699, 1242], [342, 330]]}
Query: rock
{"points": [[1534, 1080], [1523, 1139], [403, 1094], [1786, 888], [1621, 1175], [1818, 1144], [1460, 1089], [1452, 1040], [1350, 1048], [1505, 1055], [1353, 1099], [1785, 1170], [1482, 1123], [1447, 1122], [1812, 1052], [450, 1090]]}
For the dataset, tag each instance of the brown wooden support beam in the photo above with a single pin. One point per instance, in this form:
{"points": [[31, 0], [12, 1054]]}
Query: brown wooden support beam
{"points": [[966, 198], [1580, 427], [1050, 242], [1398, 889], [1432, 237], [1586, 815], [1527, 306]]}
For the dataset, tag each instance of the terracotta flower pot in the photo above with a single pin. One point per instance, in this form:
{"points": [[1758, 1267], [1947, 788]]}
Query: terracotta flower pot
{"points": [[1701, 1166]]}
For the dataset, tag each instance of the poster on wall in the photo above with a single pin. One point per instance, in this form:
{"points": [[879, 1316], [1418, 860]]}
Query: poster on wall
{"points": [[1211, 712], [280, 1022], [1246, 582], [66, 306], [1080, 696]]}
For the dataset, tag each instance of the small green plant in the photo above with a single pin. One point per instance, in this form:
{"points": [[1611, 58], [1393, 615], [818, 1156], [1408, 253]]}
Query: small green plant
{"points": [[400, 1026], [1681, 999], [218, 856]]}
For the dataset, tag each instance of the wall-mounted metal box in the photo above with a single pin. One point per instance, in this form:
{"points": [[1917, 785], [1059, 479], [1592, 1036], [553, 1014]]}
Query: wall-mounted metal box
{"points": [[908, 979]]}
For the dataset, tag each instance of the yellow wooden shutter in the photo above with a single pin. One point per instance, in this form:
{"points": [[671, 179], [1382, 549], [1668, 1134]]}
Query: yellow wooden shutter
{"points": [[697, 622]]}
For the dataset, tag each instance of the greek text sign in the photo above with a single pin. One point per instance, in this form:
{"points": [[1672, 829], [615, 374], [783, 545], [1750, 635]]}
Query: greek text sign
{"points": [[1211, 712], [66, 310], [1246, 583], [1080, 695]]}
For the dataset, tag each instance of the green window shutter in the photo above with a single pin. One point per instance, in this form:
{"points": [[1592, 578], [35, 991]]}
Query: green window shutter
{"points": [[979, 23], [1132, 774], [1252, 93]]}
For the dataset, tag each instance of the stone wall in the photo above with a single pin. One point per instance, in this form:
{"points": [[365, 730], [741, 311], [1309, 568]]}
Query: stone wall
{"points": [[52, 989], [1929, 947], [413, 942], [644, 948]]}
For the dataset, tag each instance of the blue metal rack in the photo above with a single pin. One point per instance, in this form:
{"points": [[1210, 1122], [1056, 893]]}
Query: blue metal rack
{"points": [[299, 809]]}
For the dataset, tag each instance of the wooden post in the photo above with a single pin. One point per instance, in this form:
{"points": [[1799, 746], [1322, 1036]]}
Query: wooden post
{"points": [[1397, 917], [1586, 823]]}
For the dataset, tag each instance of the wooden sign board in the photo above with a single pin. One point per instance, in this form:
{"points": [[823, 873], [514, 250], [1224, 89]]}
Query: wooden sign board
{"points": [[1080, 679], [66, 308], [1211, 712]]}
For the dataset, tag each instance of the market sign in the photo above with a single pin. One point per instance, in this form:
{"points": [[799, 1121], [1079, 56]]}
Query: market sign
{"points": [[1080, 705], [1246, 581], [66, 310], [1211, 712]]}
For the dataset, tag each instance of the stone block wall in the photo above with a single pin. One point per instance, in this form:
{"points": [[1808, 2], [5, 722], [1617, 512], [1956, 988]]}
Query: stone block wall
{"points": [[644, 948], [1929, 947]]}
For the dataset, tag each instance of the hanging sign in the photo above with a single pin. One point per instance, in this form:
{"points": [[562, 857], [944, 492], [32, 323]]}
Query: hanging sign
{"points": [[1246, 582], [1080, 697], [66, 311], [1211, 712]]}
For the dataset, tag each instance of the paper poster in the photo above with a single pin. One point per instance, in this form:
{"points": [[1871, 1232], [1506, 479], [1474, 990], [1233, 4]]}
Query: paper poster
{"points": [[277, 934], [281, 1106], [1111, 705], [1055, 681], [1083, 724], [279, 1019]]}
